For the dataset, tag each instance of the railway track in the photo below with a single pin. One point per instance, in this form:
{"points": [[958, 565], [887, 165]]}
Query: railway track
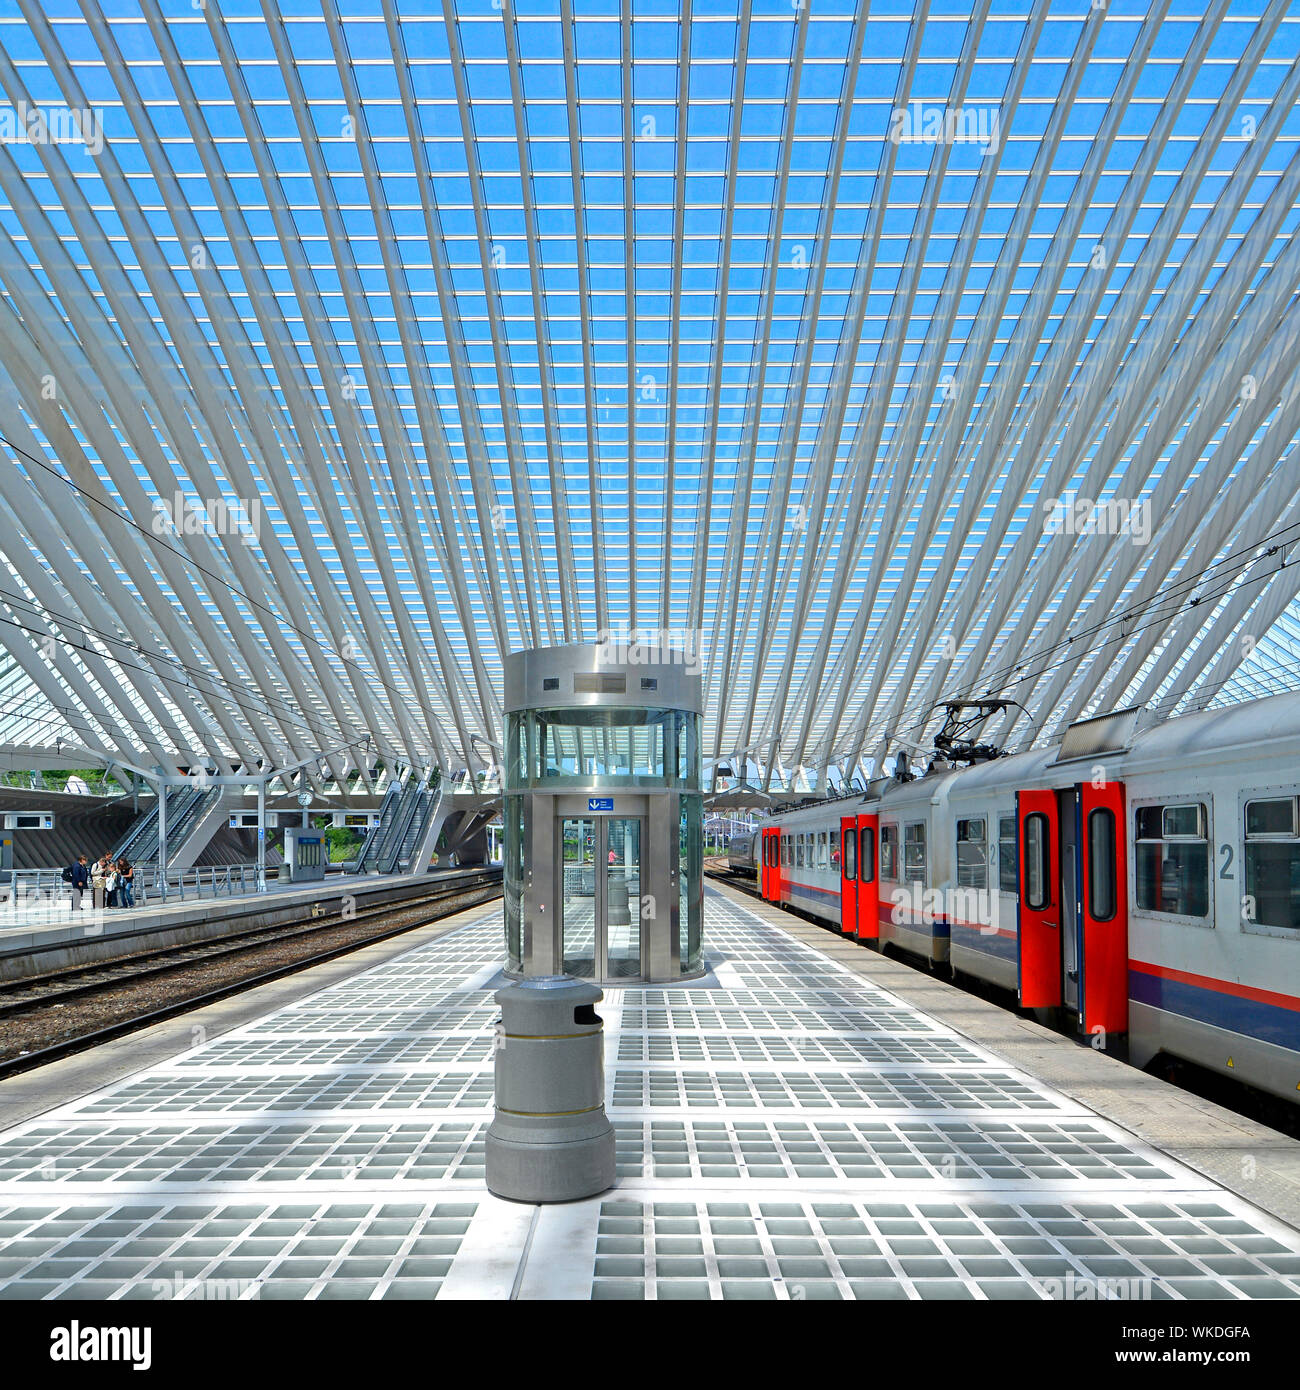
{"points": [[67, 1011]]}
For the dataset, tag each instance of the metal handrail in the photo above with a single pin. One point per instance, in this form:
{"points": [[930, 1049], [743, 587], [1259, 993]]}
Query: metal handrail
{"points": [[98, 785], [370, 846], [183, 809], [407, 813], [45, 887]]}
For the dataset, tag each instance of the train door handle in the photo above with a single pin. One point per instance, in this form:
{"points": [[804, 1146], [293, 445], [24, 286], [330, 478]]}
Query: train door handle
{"points": [[1051, 924]]}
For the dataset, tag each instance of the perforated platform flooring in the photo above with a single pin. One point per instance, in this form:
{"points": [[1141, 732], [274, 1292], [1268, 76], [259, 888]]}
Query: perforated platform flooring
{"points": [[793, 1132]]}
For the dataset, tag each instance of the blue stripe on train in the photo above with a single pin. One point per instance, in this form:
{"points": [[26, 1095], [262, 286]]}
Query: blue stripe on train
{"points": [[821, 896], [1250, 1017], [987, 943], [937, 930]]}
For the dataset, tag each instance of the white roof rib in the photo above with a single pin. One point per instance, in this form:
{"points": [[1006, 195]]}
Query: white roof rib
{"points": [[481, 327]]}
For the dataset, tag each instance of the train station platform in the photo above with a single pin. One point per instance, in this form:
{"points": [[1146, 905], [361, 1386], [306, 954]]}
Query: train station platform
{"points": [[52, 937], [792, 1127]]}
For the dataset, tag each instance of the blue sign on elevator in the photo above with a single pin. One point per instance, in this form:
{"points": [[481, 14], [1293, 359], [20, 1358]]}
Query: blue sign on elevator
{"points": [[600, 803]]}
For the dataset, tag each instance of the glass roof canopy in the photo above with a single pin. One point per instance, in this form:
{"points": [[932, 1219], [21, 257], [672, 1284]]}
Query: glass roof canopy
{"points": [[347, 346]]}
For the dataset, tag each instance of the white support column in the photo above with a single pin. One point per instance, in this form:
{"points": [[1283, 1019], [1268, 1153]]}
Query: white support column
{"points": [[162, 839], [261, 835]]}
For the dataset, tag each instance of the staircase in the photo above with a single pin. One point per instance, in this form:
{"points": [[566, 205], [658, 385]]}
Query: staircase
{"points": [[368, 859], [393, 832], [189, 810], [426, 808], [393, 845]]}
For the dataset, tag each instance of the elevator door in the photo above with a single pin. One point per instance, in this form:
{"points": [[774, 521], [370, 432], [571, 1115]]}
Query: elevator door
{"points": [[600, 904]]}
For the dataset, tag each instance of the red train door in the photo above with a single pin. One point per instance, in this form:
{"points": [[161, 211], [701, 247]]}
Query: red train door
{"points": [[1103, 990], [849, 875], [1040, 899], [771, 843], [868, 883]]}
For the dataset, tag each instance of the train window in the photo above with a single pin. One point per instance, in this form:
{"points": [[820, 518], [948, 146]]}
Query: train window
{"points": [[1276, 816], [867, 873], [1187, 821], [889, 852], [914, 853], [1008, 869], [1273, 863], [1184, 821], [1171, 859], [1038, 861], [798, 851], [972, 856], [1101, 864], [850, 855], [785, 851], [823, 861], [835, 849]]}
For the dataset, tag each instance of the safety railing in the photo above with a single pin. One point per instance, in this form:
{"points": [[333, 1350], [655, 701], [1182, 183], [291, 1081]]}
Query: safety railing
{"points": [[210, 881], [35, 892], [76, 785]]}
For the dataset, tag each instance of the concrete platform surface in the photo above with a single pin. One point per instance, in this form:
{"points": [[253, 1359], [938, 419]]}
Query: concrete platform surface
{"points": [[799, 1131]]}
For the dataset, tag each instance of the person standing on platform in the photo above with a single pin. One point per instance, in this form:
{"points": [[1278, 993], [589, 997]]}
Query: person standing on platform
{"points": [[97, 876], [80, 881], [125, 883]]}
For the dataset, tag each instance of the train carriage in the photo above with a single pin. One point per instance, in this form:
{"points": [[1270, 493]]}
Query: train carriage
{"points": [[1142, 882], [915, 865], [740, 854], [807, 863]]}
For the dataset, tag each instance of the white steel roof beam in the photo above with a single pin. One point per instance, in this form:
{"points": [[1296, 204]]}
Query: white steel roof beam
{"points": [[534, 613], [570, 612], [222, 409], [599, 576], [353, 437], [385, 405], [1000, 438], [729, 628], [806, 537], [306, 427], [702, 549]]}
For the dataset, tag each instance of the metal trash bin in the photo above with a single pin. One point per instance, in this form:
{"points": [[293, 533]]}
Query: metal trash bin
{"points": [[618, 911], [550, 1140]]}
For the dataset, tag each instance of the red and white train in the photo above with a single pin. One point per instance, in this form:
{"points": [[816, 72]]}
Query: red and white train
{"points": [[1146, 882]]}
